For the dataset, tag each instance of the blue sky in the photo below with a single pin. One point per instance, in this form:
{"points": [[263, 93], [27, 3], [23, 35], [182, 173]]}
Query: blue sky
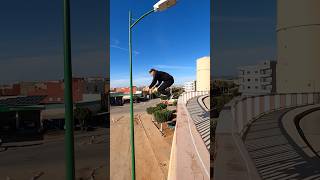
{"points": [[31, 39], [170, 41], [244, 34]]}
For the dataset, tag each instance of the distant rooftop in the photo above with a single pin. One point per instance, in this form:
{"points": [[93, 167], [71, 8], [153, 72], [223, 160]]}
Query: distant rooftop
{"points": [[21, 101]]}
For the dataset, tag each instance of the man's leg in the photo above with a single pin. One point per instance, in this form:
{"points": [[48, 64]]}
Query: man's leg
{"points": [[163, 87]]}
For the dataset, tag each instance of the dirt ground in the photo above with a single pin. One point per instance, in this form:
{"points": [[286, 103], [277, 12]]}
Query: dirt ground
{"points": [[151, 148]]}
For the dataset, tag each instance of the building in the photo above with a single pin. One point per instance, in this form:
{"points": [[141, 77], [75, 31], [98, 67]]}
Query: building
{"points": [[257, 79], [53, 90], [298, 42], [20, 117], [125, 90], [203, 74], [94, 85], [10, 90], [190, 86]]}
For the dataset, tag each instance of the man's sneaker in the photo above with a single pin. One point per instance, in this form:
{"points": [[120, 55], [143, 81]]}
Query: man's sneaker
{"points": [[170, 96]]}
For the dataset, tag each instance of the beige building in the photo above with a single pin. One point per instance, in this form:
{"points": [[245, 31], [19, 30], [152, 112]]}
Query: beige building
{"points": [[203, 74], [298, 39]]}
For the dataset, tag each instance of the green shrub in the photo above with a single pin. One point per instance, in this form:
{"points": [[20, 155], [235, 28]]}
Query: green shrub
{"points": [[164, 98], [174, 103], [151, 110], [162, 116], [162, 106]]}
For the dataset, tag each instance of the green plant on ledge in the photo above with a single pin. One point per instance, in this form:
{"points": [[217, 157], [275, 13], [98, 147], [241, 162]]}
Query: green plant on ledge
{"points": [[162, 116], [160, 106]]}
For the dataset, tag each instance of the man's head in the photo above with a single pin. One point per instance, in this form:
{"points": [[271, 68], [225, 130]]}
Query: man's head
{"points": [[152, 72]]}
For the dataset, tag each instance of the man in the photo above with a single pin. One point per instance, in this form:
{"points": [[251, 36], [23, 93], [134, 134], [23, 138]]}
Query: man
{"points": [[161, 81]]}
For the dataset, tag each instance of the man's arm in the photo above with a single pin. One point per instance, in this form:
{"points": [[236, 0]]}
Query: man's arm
{"points": [[153, 82]]}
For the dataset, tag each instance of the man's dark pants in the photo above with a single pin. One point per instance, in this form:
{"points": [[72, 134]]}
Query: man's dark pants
{"points": [[164, 86]]}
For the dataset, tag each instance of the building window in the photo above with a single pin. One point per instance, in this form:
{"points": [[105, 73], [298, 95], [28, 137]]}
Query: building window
{"points": [[256, 87], [256, 72], [248, 87], [256, 79], [248, 72], [248, 80]]}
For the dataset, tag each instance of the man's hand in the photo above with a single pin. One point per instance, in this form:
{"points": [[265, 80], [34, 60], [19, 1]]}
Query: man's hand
{"points": [[155, 89], [146, 88]]}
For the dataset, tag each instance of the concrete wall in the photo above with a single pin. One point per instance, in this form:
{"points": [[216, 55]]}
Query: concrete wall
{"points": [[298, 40]]}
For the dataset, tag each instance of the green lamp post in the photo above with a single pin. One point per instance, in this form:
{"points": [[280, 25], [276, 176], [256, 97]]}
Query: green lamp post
{"points": [[159, 6], [69, 141]]}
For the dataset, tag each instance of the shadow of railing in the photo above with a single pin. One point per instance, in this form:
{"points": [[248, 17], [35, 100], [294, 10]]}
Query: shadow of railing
{"points": [[275, 155]]}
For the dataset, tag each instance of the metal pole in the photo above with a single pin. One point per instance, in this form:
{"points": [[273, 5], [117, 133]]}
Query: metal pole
{"points": [[133, 171], [69, 141]]}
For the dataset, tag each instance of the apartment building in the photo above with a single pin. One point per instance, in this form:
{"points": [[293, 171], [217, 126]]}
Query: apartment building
{"points": [[189, 86], [257, 79]]}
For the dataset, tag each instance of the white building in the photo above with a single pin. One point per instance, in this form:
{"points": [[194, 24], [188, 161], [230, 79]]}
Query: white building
{"points": [[190, 86], [258, 79]]}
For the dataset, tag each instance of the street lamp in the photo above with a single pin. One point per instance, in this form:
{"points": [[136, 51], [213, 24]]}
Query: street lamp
{"points": [[69, 141], [159, 6]]}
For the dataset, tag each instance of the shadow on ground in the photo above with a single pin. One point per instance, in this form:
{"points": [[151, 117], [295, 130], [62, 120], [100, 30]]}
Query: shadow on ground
{"points": [[274, 152]]}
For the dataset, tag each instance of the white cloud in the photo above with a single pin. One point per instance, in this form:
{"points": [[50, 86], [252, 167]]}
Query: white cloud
{"points": [[123, 49]]}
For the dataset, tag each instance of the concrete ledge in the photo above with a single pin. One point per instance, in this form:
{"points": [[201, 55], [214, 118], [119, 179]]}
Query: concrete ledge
{"points": [[204, 102], [190, 158], [289, 124], [232, 161]]}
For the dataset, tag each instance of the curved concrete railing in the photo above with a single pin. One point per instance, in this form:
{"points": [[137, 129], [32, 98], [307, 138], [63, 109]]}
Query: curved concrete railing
{"points": [[189, 157], [245, 110], [232, 159], [186, 96]]}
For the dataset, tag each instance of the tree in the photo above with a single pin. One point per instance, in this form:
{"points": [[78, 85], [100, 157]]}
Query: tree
{"points": [[162, 116], [83, 115]]}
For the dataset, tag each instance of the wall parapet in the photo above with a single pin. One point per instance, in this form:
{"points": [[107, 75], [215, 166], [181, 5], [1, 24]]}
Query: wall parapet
{"points": [[234, 121], [189, 158]]}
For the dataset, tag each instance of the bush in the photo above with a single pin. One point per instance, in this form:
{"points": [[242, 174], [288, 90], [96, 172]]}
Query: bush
{"points": [[162, 116], [162, 106], [164, 98], [151, 110], [174, 103]]}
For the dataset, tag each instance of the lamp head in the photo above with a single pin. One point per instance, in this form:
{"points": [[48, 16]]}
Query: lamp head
{"points": [[164, 4]]}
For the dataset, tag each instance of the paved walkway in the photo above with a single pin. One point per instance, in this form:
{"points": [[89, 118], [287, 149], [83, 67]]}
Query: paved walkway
{"points": [[275, 153], [201, 119]]}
